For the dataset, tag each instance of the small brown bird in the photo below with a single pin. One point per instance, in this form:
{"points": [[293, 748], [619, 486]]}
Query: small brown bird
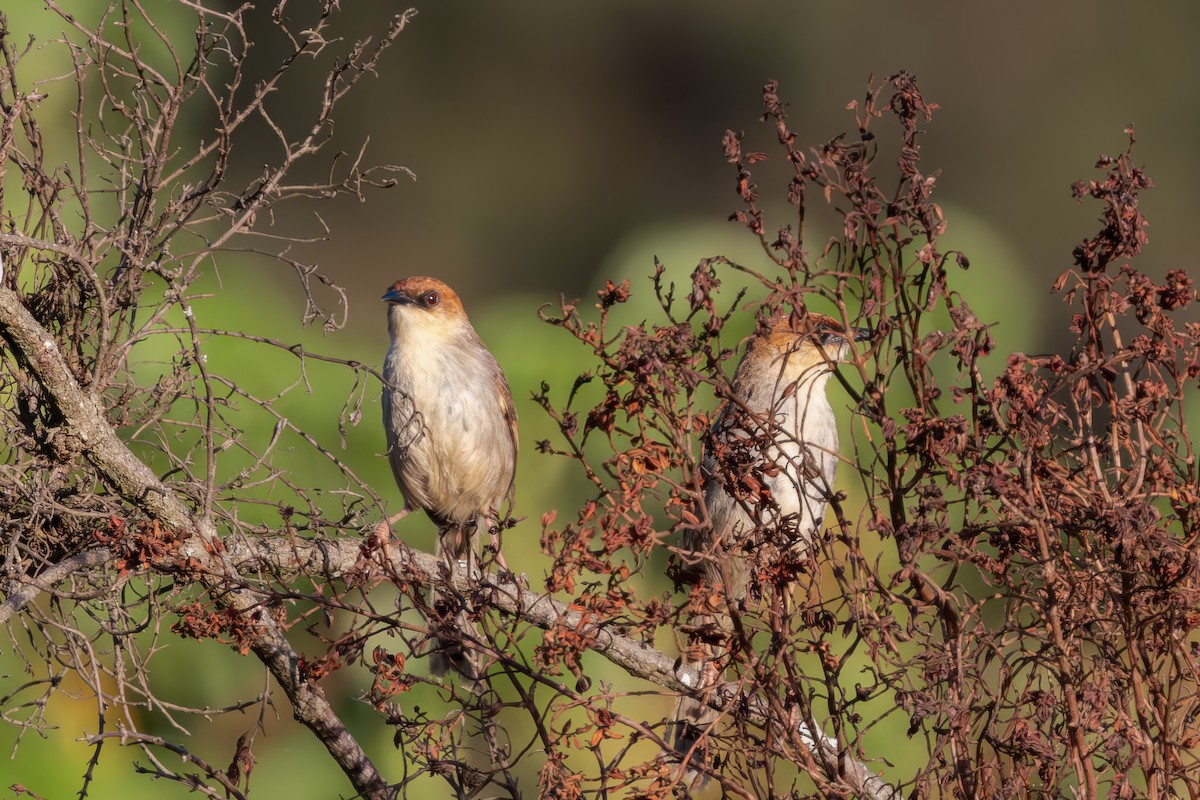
{"points": [[768, 475], [451, 437]]}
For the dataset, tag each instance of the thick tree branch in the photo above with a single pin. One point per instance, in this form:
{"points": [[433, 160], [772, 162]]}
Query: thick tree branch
{"points": [[286, 557], [341, 559]]}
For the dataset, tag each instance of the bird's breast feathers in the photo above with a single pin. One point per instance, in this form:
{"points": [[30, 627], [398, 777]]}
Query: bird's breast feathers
{"points": [[794, 435], [458, 450]]}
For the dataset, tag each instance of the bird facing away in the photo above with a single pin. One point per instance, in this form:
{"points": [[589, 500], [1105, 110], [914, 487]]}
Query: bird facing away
{"points": [[768, 475], [451, 438]]}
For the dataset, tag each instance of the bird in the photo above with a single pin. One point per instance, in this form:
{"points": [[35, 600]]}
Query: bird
{"points": [[767, 473], [451, 431]]}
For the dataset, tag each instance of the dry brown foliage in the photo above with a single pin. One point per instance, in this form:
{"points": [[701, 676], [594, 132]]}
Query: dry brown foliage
{"points": [[1011, 579]]}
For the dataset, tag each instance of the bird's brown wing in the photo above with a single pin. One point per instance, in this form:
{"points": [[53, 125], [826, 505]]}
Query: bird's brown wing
{"points": [[404, 428], [509, 410]]}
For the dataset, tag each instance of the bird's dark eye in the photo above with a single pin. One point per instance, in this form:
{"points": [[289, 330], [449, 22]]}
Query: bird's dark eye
{"points": [[430, 299]]}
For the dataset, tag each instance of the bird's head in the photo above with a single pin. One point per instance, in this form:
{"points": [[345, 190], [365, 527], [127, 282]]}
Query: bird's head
{"points": [[804, 346], [425, 304]]}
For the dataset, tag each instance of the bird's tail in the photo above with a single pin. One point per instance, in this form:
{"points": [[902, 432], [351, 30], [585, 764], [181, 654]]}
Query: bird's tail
{"points": [[690, 727], [451, 652], [451, 625], [720, 588]]}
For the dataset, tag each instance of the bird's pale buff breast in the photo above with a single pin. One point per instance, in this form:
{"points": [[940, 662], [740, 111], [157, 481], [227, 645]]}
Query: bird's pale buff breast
{"points": [[454, 453], [785, 404]]}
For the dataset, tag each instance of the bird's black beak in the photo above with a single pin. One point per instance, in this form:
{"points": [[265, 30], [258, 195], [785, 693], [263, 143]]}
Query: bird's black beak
{"points": [[855, 334], [398, 297]]}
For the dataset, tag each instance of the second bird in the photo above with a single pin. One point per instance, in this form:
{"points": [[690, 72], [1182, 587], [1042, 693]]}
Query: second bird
{"points": [[451, 438], [768, 472]]}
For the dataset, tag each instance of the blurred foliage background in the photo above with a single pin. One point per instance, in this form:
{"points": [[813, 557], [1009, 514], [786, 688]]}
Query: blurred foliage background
{"points": [[556, 145]]}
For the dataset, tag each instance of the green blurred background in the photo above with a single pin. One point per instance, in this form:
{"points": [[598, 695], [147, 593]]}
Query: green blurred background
{"points": [[559, 144]]}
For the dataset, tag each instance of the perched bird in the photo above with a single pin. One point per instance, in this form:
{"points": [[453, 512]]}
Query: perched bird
{"points": [[768, 474], [451, 437]]}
